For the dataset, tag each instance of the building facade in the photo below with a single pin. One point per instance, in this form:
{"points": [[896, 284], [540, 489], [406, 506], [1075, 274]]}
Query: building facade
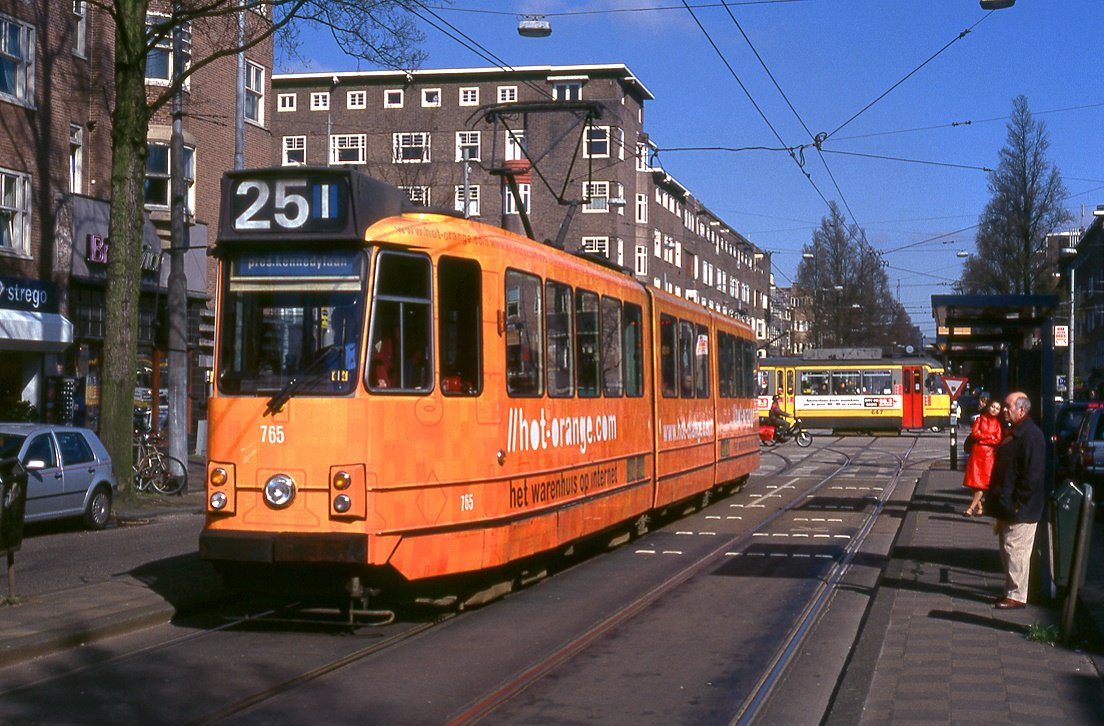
{"points": [[56, 96], [556, 152]]}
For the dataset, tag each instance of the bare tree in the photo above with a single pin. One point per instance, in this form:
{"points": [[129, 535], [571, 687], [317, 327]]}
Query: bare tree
{"points": [[381, 32], [1026, 205]]}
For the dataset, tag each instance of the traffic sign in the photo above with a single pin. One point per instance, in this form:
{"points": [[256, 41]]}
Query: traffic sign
{"points": [[955, 385]]}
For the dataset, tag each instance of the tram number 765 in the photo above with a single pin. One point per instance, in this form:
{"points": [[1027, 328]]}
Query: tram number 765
{"points": [[272, 434]]}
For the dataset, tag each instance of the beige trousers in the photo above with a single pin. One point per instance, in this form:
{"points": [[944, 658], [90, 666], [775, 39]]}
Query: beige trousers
{"points": [[1016, 544]]}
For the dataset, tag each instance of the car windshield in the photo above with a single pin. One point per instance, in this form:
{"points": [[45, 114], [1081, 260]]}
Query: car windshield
{"points": [[1068, 420], [292, 319], [9, 444]]}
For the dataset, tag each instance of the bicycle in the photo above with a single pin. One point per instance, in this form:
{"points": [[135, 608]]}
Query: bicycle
{"points": [[154, 470]]}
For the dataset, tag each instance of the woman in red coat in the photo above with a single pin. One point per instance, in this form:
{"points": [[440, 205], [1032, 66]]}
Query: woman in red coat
{"points": [[985, 435]]}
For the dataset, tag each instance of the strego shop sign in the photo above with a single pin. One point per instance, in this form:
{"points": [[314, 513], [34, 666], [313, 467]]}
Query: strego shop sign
{"points": [[31, 295], [98, 249]]}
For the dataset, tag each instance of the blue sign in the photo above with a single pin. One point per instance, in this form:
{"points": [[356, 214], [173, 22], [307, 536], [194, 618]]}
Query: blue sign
{"points": [[33, 296], [298, 264]]}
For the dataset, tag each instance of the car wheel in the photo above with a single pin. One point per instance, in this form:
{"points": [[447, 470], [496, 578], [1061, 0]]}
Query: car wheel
{"points": [[98, 510]]}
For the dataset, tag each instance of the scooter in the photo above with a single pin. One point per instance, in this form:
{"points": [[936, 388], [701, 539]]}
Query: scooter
{"points": [[770, 435]]}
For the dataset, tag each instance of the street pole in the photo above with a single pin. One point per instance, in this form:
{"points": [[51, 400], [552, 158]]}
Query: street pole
{"points": [[177, 297], [1072, 329]]}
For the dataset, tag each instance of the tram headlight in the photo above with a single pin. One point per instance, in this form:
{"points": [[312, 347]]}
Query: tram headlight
{"points": [[218, 476], [218, 500], [279, 491], [342, 480], [342, 503]]}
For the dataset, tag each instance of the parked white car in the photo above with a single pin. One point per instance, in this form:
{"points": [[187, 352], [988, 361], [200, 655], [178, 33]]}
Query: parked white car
{"points": [[69, 472]]}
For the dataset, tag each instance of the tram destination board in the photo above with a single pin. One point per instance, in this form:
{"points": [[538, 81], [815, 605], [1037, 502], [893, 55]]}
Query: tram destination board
{"points": [[304, 203]]}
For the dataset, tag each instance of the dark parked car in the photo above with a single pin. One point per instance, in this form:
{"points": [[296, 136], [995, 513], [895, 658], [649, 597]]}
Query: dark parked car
{"points": [[69, 472], [1066, 422], [1086, 451]]}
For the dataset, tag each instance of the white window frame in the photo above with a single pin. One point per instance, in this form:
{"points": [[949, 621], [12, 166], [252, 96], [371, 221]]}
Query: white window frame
{"points": [[165, 176], [291, 144], [164, 47], [431, 98], [393, 98], [642, 157], [596, 196], [15, 212], [76, 158], [254, 92], [468, 140], [524, 191], [348, 148], [410, 140], [641, 259], [642, 208], [80, 28], [320, 101], [567, 91], [356, 100], [473, 199], [594, 136], [507, 94], [419, 194], [468, 96], [596, 245], [286, 102], [516, 142]]}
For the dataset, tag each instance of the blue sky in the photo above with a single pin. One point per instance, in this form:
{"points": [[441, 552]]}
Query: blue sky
{"points": [[831, 59]]}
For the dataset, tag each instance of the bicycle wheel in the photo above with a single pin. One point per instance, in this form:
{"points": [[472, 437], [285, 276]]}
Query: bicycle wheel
{"points": [[169, 475], [142, 474]]}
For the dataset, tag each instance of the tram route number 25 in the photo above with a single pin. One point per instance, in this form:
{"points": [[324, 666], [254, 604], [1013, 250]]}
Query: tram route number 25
{"points": [[300, 204], [272, 434]]}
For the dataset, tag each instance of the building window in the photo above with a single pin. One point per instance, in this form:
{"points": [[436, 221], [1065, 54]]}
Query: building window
{"points": [[467, 145], [469, 96], [159, 60], [412, 148], [507, 94], [431, 98], [15, 212], [642, 208], [17, 42], [76, 158], [596, 196], [596, 245], [348, 148], [254, 92], [285, 102], [158, 171], [508, 204], [642, 157], [473, 200], [393, 98], [295, 150], [320, 101], [80, 28], [567, 91], [515, 145], [419, 195], [356, 100], [597, 145]]}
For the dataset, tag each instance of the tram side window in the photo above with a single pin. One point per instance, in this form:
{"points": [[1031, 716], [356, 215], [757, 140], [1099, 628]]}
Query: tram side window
{"points": [[633, 350], [846, 383], [460, 292], [686, 359], [934, 383], [524, 334], [748, 379], [764, 383], [612, 336], [701, 362], [558, 323], [814, 383], [399, 351], [586, 343], [878, 382], [668, 328], [725, 375]]}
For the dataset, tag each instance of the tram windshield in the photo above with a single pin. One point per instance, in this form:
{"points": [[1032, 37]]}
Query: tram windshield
{"points": [[291, 323]]}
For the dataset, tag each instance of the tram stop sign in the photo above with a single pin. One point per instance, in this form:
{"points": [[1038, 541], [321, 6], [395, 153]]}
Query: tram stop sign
{"points": [[955, 385]]}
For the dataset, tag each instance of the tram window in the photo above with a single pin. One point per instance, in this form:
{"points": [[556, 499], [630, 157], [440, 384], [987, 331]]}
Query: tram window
{"points": [[877, 382], [686, 359], [667, 355], [460, 292], [612, 336], [400, 336], [934, 383], [724, 365], [814, 383], [747, 384], [789, 383], [846, 383], [524, 335], [701, 361], [558, 347], [764, 388], [633, 350], [586, 343]]}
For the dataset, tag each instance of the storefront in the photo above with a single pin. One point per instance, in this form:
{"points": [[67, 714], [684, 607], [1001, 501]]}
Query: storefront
{"points": [[33, 337]]}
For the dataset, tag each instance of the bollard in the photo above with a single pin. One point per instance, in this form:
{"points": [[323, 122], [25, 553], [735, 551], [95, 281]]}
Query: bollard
{"points": [[954, 444], [1078, 565]]}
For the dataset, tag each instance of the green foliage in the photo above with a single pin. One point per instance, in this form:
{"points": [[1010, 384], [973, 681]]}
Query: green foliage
{"points": [[1042, 633]]}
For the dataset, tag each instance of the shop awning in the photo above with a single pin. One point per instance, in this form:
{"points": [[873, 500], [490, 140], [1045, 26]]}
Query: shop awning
{"points": [[40, 332]]}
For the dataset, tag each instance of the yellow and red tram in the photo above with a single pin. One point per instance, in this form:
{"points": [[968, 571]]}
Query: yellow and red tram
{"points": [[857, 389], [407, 394]]}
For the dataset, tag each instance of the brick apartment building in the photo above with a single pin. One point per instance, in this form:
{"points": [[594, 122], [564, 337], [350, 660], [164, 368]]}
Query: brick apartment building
{"points": [[56, 95], [573, 139]]}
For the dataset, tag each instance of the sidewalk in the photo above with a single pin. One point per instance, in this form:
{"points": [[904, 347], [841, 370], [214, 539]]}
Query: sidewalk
{"points": [[934, 650]]}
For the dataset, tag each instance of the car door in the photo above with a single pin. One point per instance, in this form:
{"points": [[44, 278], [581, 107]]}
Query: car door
{"points": [[45, 480], [78, 462]]}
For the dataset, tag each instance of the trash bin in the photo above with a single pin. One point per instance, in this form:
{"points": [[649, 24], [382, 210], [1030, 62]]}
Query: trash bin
{"points": [[1065, 514], [13, 499]]}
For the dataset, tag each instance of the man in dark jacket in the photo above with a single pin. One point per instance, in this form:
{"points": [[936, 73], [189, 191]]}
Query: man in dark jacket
{"points": [[1016, 496]]}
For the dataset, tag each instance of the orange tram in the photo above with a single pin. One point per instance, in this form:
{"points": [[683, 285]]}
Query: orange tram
{"points": [[403, 396]]}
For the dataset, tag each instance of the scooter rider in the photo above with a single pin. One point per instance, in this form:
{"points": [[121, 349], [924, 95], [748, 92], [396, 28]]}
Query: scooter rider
{"points": [[777, 417]]}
